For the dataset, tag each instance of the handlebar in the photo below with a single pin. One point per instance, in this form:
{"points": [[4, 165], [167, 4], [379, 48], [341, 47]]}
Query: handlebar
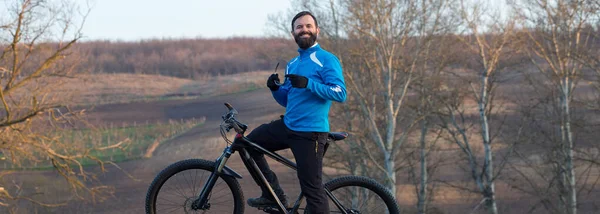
{"points": [[231, 109], [231, 122]]}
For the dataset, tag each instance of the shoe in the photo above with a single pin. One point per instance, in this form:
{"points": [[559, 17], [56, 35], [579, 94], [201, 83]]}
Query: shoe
{"points": [[266, 202]]}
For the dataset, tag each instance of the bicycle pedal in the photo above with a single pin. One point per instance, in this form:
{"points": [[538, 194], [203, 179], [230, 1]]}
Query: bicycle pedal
{"points": [[270, 209]]}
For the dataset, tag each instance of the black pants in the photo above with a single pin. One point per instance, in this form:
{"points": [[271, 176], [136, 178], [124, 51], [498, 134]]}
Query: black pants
{"points": [[307, 148]]}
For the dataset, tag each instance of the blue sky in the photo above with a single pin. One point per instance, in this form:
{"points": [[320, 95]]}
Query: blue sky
{"points": [[143, 19]]}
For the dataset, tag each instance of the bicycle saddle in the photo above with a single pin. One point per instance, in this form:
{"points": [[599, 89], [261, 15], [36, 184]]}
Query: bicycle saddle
{"points": [[338, 135]]}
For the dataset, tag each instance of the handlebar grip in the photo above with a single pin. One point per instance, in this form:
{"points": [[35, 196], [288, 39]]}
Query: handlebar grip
{"points": [[229, 106], [231, 109], [239, 127]]}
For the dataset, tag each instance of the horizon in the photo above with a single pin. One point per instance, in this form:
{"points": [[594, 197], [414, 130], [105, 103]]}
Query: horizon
{"points": [[178, 39]]}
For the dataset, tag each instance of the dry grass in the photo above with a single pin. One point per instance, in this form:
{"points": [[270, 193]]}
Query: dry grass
{"points": [[121, 88], [134, 140]]}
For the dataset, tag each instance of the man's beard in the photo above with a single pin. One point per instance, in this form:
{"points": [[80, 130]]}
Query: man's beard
{"points": [[305, 43]]}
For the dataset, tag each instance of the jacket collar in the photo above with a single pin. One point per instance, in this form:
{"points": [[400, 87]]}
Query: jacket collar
{"points": [[313, 48]]}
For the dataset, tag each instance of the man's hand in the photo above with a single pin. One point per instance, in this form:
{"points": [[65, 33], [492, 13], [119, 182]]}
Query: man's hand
{"points": [[271, 82], [297, 80]]}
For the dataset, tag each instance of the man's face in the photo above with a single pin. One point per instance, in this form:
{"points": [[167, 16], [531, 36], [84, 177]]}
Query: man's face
{"points": [[305, 32]]}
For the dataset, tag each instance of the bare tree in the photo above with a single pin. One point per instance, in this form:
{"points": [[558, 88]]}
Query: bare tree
{"points": [[429, 88], [556, 36], [485, 39], [424, 160], [36, 37], [393, 40]]}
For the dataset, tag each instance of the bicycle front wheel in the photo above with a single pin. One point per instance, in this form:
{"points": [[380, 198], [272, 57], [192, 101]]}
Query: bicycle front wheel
{"points": [[357, 194], [177, 186]]}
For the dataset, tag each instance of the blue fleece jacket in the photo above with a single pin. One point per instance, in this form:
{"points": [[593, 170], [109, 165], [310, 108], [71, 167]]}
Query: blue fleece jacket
{"points": [[307, 109]]}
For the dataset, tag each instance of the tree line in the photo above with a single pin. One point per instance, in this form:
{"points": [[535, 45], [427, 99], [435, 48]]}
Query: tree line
{"points": [[185, 58]]}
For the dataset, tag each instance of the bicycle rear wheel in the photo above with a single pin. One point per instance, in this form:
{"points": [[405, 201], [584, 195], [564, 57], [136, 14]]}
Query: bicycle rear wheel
{"points": [[358, 194], [177, 186]]}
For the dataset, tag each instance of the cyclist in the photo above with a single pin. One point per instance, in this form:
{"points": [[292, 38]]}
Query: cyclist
{"points": [[313, 80]]}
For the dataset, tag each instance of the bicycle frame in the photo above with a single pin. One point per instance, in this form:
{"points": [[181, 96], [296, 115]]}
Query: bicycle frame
{"points": [[241, 144]]}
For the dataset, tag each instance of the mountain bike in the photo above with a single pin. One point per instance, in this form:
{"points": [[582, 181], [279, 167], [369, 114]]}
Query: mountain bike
{"points": [[203, 186]]}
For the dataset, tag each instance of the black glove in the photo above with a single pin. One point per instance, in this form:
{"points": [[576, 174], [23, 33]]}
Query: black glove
{"points": [[271, 82], [297, 80]]}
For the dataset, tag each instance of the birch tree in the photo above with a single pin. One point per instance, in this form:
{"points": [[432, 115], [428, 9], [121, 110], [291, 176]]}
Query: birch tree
{"points": [[424, 157], [556, 36], [393, 40], [485, 39]]}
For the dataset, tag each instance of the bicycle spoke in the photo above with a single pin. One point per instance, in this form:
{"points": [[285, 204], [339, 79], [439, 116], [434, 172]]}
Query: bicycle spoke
{"points": [[174, 208], [182, 188], [179, 189], [169, 201], [186, 180], [195, 182], [357, 198]]}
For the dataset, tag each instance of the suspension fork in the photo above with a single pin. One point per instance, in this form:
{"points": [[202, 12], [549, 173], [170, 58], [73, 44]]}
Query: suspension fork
{"points": [[202, 201]]}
